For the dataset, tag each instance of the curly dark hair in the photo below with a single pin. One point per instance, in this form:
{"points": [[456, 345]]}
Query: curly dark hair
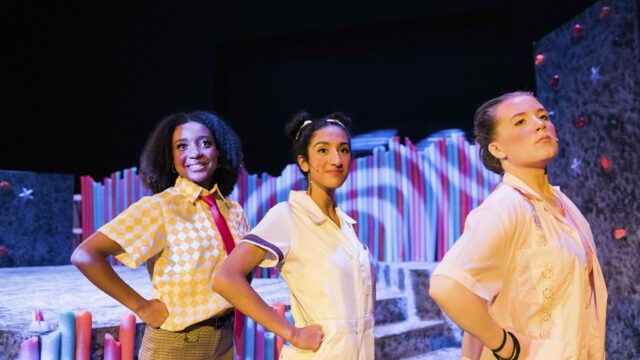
{"points": [[484, 128], [156, 161], [301, 134]]}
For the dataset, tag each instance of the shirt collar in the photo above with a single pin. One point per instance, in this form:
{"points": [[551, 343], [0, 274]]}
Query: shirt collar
{"points": [[524, 189], [192, 191], [301, 200]]}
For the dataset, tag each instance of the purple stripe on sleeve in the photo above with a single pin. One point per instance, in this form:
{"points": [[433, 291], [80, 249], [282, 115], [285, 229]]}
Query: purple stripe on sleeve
{"points": [[260, 241]]}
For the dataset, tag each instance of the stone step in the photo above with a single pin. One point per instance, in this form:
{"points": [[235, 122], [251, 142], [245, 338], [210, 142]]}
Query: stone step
{"points": [[450, 353], [412, 278], [391, 305], [412, 337]]}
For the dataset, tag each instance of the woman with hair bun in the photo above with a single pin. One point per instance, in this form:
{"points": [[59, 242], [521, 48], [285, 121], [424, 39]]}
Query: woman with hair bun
{"points": [[523, 280], [319, 256]]}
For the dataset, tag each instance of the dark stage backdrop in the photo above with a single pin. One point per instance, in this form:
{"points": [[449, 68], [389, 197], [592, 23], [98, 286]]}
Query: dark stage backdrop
{"points": [[597, 106], [36, 218], [86, 82]]}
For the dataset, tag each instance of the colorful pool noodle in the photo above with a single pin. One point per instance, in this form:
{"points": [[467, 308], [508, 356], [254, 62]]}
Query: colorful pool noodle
{"points": [[279, 341], [259, 343], [136, 186], [269, 345], [111, 348], [67, 326], [289, 316], [96, 195], [372, 223], [127, 336], [83, 335], [474, 157], [50, 346], [108, 201], [264, 198], [379, 201], [29, 349], [375, 187], [406, 220], [396, 199], [86, 187], [453, 175], [130, 176], [249, 338]]}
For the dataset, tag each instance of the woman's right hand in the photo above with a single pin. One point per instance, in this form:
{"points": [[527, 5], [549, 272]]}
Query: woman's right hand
{"points": [[154, 313], [307, 338]]}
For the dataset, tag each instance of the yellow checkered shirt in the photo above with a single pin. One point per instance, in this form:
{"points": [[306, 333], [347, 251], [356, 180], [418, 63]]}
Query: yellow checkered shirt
{"points": [[177, 225]]}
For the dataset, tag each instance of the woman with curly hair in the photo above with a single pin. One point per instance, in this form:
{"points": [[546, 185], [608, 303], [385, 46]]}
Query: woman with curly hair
{"points": [[191, 163]]}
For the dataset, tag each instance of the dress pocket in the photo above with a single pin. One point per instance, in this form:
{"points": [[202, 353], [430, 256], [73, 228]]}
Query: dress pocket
{"points": [[289, 352], [553, 349]]}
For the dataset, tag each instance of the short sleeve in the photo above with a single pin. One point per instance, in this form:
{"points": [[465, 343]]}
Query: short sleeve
{"points": [[480, 258], [238, 221], [273, 233], [139, 230]]}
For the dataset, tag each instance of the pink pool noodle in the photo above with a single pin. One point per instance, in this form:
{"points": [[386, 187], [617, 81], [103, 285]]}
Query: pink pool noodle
{"points": [[127, 335], [279, 308], [111, 348], [29, 349], [83, 335]]}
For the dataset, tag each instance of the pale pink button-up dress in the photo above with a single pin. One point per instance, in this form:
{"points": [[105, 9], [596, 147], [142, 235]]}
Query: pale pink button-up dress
{"points": [[535, 266]]}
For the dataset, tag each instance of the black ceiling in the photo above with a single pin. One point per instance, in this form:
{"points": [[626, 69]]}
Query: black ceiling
{"points": [[85, 83]]}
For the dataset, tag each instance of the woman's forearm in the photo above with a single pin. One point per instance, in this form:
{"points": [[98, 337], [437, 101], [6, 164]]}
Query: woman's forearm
{"points": [[230, 282], [90, 258], [471, 347], [234, 287], [466, 309]]}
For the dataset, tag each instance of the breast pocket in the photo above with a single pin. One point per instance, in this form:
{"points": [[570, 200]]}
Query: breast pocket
{"points": [[365, 270]]}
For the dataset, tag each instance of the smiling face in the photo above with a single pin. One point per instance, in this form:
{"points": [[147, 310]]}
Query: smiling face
{"points": [[195, 155], [525, 137], [329, 157]]}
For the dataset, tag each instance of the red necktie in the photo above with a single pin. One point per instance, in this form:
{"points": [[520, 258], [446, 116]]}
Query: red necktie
{"points": [[221, 224], [229, 244]]}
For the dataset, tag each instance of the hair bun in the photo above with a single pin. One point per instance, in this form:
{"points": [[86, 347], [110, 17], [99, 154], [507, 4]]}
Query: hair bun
{"points": [[293, 126]]}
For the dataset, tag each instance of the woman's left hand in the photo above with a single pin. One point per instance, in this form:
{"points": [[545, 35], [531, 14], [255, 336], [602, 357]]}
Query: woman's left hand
{"points": [[307, 338], [154, 313]]}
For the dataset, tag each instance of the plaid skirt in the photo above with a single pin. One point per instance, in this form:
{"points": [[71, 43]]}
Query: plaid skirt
{"points": [[211, 339]]}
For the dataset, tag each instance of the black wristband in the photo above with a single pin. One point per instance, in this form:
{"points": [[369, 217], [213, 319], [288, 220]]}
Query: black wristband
{"points": [[516, 347], [515, 352], [504, 341]]}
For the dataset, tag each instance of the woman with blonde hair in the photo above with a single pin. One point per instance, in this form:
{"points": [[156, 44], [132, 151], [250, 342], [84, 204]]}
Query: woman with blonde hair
{"points": [[523, 280]]}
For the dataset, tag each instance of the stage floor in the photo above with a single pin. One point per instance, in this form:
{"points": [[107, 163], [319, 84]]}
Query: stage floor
{"points": [[54, 289]]}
